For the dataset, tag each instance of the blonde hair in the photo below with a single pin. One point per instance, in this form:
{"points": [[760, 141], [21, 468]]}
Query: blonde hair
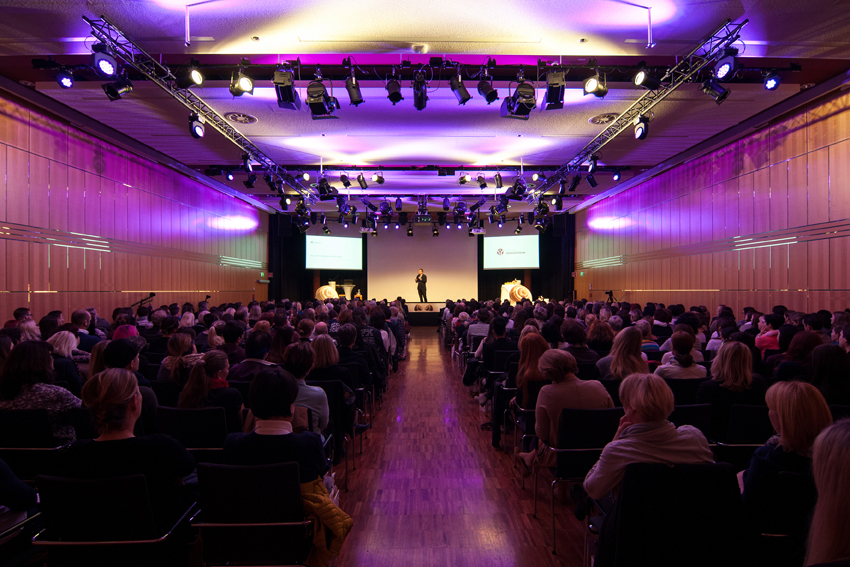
{"points": [[828, 539], [647, 394], [212, 335], [324, 352], [96, 363], [63, 343], [626, 356], [528, 330], [556, 365], [802, 413], [733, 366], [29, 331], [187, 320], [263, 325], [179, 346], [108, 395], [255, 312]]}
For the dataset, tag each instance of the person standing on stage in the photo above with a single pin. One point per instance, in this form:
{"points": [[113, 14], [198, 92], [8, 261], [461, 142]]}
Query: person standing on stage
{"points": [[421, 280]]}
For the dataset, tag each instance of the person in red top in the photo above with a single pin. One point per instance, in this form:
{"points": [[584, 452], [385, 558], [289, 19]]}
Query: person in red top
{"points": [[768, 337]]}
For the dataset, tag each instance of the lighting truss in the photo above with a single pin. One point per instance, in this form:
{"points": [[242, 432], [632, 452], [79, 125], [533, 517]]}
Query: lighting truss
{"points": [[685, 71], [158, 73]]}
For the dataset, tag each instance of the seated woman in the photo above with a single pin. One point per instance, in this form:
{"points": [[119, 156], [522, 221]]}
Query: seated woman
{"points": [[645, 435], [831, 374], [25, 383], [565, 392], [64, 369], [798, 414], [326, 363], [182, 356], [576, 339], [798, 360], [732, 382], [648, 340], [207, 387], [298, 360], [532, 346], [115, 404], [273, 393], [829, 545], [626, 357], [682, 365], [600, 337]]}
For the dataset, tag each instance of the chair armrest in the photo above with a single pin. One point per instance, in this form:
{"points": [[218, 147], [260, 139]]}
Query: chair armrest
{"points": [[17, 527], [554, 450]]}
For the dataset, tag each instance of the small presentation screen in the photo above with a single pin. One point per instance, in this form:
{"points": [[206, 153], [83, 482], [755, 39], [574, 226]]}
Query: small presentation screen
{"points": [[334, 253], [504, 252]]}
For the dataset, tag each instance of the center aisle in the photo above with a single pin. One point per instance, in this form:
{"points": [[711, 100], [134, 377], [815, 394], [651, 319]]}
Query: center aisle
{"points": [[430, 489]]}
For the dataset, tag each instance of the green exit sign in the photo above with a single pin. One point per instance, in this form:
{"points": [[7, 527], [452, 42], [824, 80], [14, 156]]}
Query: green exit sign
{"points": [[263, 274], [581, 274]]}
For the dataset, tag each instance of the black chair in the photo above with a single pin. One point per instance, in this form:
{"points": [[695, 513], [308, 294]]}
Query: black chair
{"points": [[582, 434], [107, 522], [155, 358], [697, 415], [343, 418], [674, 515], [152, 372], [252, 515], [167, 392], [749, 428], [654, 355], [613, 387], [194, 428], [707, 366], [588, 371], [685, 389], [839, 412], [26, 428], [785, 526]]}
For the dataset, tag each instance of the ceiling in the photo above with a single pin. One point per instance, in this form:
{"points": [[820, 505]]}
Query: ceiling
{"points": [[399, 138]]}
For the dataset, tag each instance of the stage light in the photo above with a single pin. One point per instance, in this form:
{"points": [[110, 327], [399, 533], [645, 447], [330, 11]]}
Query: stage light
{"points": [[596, 86], [481, 182], [314, 218], [574, 183], [726, 65], [369, 205], [641, 128], [420, 91], [555, 85], [592, 163], [196, 125], [592, 181], [379, 178], [540, 223], [501, 221], [398, 203], [457, 86], [229, 176], [616, 176], [249, 183], [341, 219], [518, 227], [410, 230], [386, 225], [353, 211], [284, 87], [385, 208], [529, 219], [517, 190], [396, 226], [485, 89], [305, 176], [394, 91], [492, 216], [190, 77], [326, 229], [241, 83], [361, 180], [353, 88], [321, 104], [771, 81], [521, 102], [65, 79], [645, 80], [343, 178], [539, 176], [446, 204], [103, 62], [713, 89], [478, 204], [288, 201], [435, 231], [498, 179], [114, 91], [464, 178]]}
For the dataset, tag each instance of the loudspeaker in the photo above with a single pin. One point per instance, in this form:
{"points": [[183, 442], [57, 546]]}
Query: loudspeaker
{"points": [[559, 225]]}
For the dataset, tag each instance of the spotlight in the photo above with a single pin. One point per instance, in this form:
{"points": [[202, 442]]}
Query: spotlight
{"points": [[288, 201], [326, 192], [517, 190], [574, 183], [196, 125], [441, 218], [386, 225], [481, 182], [616, 176], [518, 227], [420, 91], [190, 77], [103, 62], [501, 221], [540, 223], [345, 224], [555, 85], [343, 178], [435, 231], [378, 178], [478, 204], [492, 217], [65, 79], [647, 81], [410, 230], [362, 181], [539, 176], [498, 179], [321, 104], [398, 203], [520, 103], [593, 163], [114, 91], [641, 129], [229, 176], [771, 81], [485, 89], [314, 218], [457, 86], [394, 91], [596, 86], [396, 226], [284, 204], [592, 181], [326, 229], [353, 88], [305, 176], [284, 87], [369, 205], [726, 65], [341, 219], [713, 89], [240, 84], [249, 183], [246, 163], [558, 203]]}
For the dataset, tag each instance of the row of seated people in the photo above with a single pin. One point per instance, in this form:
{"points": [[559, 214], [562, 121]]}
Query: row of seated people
{"points": [[547, 380]]}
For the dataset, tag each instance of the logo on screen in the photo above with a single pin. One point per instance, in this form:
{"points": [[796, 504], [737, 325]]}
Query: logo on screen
{"points": [[500, 252]]}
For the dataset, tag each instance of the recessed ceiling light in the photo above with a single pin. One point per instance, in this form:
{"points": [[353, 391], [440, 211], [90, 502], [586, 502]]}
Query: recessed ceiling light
{"points": [[241, 118]]}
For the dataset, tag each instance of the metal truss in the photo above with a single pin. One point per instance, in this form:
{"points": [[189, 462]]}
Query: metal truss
{"points": [[686, 70], [158, 73]]}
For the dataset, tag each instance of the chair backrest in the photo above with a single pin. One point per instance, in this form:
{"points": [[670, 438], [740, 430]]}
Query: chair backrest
{"points": [[476, 341], [26, 428], [795, 497], [104, 509], [656, 355], [748, 424], [302, 419], [193, 428], [613, 387], [513, 368], [167, 392], [673, 515], [685, 389], [500, 360], [250, 493], [533, 389], [839, 412], [584, 429], [244, 389], [588, 371], [697, 415]]}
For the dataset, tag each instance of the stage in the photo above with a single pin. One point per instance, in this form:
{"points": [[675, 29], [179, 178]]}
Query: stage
{"points": [[424, 314]]}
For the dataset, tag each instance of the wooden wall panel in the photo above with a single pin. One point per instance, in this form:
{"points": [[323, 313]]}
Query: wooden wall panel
{"points": [[17, 186], [39, 200]]}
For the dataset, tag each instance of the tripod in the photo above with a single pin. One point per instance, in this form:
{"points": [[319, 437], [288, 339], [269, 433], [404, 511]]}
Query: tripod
{"points": [[611, 298]]}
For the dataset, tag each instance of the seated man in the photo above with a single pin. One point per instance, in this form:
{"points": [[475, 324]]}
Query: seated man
{"points": [[256, 349], [82, 319]]}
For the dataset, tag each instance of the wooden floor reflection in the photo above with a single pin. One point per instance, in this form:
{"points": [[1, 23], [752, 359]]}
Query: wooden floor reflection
{"points": [[430, 489]]}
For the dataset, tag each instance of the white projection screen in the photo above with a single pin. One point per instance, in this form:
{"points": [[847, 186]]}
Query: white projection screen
{"points": [[505, 252], [450, 261], [334, 253]]}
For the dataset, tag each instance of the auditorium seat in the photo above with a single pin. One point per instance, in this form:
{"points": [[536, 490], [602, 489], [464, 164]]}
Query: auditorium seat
{"points": [[203, 428]]}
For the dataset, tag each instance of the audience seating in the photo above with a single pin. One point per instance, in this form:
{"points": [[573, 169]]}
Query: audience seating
{"points": [[684, 390], [167, 393], [654, 355], [203, 428], [84, 427], [697, 415], [244, 389], [588, 371], [749, 428], [613, 387], [784, 537], [26, 428]]}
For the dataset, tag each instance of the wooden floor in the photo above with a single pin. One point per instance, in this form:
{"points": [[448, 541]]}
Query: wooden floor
{"points": [[430, 489]]}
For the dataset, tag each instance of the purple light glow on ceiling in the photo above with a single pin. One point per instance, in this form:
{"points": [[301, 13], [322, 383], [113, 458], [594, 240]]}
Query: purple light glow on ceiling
{"points": [[609, 223], [233, 223]]}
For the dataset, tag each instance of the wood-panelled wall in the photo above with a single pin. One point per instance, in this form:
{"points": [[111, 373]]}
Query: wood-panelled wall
{"points": [[85, 223], [760, 222]]}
